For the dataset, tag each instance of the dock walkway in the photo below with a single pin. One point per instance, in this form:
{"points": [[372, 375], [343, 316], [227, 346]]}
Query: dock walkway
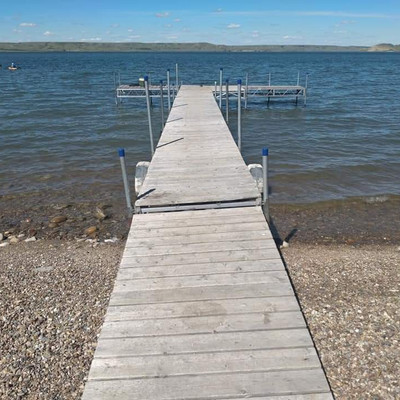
{"points": [[202, 306], [197, 164]]}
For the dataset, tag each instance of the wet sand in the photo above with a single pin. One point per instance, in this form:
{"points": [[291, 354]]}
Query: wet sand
{"points": [[355, 221]]}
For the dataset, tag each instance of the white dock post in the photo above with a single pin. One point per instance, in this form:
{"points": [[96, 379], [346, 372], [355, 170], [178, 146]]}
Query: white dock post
{"points": [[215, 90], [246, 91], [169, 89], [162, 104], [173, 93], [116, 88], [146, 86], [305, 90], [227, 100], [177, 76], [221, 70], [265, 182], [298, 84], [121, 153], [239, 89]]}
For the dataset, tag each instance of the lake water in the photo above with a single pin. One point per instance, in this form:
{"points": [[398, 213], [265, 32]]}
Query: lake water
{"points": [[60, 128]]}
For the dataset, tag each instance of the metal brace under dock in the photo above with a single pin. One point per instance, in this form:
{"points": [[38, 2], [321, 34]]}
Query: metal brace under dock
{"points": [[202, 306]]}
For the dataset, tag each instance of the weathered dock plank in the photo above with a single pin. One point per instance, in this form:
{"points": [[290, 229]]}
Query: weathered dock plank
{"points": [[202, 317]]}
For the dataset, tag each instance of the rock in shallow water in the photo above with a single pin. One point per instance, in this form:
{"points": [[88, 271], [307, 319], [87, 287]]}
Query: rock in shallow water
{"points": [[91, 230], [58, 219], [100, 214]]}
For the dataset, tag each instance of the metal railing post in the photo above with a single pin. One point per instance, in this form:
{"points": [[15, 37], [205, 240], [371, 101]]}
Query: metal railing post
{"points": [[177, 76], [121, 153], [246, 91], [227, 100], [305, 90], [169, 89], [146, 86], [116, 88], [221, 71], [239, 89], [162, 104], [265, 183]]}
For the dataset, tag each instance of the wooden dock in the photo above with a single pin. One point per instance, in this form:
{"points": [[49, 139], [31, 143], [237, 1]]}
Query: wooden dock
{"points": [[202, 306]]}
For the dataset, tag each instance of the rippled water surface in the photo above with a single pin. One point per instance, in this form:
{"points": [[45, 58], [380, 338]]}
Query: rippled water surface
{"points": [[60, 127]]}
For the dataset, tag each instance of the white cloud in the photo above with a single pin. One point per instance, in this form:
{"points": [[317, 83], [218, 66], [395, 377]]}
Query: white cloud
{"points": [[93, 39], [172, 37], [342, 14], [219, 10], [48, 33], [177, 20], [130, 30], [27, 24], [289, 37], [255, 34], [233, 26], [162, 14], [347, 22], [17, 30]]}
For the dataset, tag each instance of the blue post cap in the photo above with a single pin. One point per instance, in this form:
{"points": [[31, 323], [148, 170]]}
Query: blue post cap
{"points": [[146, 78], [227, 80], [265, 151], [221, 69], [161, 81], [239, 82], [121, 152]]}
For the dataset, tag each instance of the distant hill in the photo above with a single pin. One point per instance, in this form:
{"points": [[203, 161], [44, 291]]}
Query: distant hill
{"points": [[198, 47], [385, 47]]}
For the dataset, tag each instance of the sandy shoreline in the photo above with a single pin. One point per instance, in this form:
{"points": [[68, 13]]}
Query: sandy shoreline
{"points": [[54, 295]]}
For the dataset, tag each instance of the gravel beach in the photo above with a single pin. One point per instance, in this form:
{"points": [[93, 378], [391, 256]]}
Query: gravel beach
{"points": [[53, 297], [54, 292], [351, 299]]}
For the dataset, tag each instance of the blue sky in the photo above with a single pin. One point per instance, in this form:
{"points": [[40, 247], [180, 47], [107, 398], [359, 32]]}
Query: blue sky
{"points": [[222, 22]]}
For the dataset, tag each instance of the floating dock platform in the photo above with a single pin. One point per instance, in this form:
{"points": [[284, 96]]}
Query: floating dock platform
{"points": [[136, 91], [252, 91], [202, 307]]}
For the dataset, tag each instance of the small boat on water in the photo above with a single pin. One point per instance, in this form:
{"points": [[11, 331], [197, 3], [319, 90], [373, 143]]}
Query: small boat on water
{"points": [[13, 67]]}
